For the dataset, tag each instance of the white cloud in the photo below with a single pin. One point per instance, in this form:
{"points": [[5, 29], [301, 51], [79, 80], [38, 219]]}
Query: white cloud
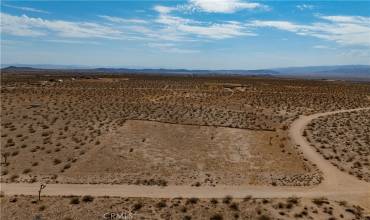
{"points": [[348, 19], [28, 26], [305, 7], [216, 31], [173, 20], [183, 26], [26, 8], [123, 20], [356, 53], [321, 47], [19, 26], [72, 41], [223, 6], [282, 25], [344, 30], [163, 9], [170, 48]]}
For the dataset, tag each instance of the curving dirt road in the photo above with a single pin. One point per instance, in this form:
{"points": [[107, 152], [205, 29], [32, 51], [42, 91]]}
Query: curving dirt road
{"points": [[336, 185]]}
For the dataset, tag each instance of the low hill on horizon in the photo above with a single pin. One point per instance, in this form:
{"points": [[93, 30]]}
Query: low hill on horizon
{"points": [[340, 72]]}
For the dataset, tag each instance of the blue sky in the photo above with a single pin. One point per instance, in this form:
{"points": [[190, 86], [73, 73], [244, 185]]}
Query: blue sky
{"points": [[194, 34]]}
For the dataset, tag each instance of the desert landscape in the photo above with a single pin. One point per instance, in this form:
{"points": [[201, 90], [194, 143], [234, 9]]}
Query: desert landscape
{"points": [[184, 110], [343, 139], [178, 208], [177, 147]]}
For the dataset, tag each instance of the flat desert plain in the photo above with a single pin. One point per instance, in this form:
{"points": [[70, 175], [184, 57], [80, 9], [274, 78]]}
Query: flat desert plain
{"points": [[183, 147]]}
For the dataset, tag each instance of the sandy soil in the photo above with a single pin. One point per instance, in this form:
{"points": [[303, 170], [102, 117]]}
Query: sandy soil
{"points": [[344, 140], [67, 208], [336, 184], [49, 130], [154, 153]]}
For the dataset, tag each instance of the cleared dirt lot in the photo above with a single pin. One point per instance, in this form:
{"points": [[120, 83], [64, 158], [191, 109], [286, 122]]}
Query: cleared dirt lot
{"points": [[154, 153]]}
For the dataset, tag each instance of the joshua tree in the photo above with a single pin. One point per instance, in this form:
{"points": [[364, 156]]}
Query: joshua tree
{"points": [[42, 186]]}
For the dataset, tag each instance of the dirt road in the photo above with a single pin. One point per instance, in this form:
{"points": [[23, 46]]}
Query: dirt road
{"points": [[337, 185]]}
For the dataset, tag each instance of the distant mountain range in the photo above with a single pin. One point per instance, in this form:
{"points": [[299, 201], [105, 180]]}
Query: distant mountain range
{"points": [[356, 71], [342, 72]]}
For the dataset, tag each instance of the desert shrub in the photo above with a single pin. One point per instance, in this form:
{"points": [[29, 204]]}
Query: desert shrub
{"points": [[247, 198], [74, 201], [13, 177], [161, 204], [192, 201], [216, 217], [25, 171], [42, 208], [320, 201], [183, 209], [87, 198], [234, 206], [56, 161], [280, 205], [227, 199], [350, 210], [293, 200], [33, 180], [264, 217], [137, 206], [289, 205], [67, 166], [197, 184]]}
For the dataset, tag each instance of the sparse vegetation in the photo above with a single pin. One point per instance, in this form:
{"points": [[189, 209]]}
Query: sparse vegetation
{"points": [[54, 133], [74, 201], [76, 122], [349, 150], [87, 198], [206, 209]]}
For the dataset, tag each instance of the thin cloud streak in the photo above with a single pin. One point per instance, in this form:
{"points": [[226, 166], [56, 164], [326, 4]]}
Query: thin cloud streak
{"points": [[29, 26], [29, 9], [344, 30]]}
